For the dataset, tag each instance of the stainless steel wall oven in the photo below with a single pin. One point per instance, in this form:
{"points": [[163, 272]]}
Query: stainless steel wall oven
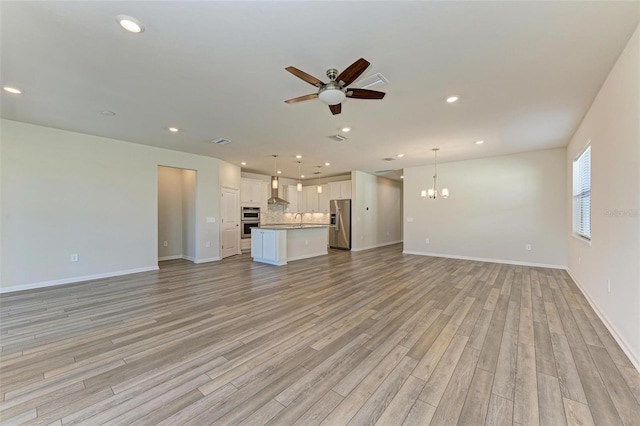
{"points": [[250, 219]]}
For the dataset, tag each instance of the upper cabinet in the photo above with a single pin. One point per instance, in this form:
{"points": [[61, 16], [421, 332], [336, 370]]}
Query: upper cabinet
{"points": [[323, 199], [310, 199], [295, 199], [314, 202], [252, 191], [340, 190]]}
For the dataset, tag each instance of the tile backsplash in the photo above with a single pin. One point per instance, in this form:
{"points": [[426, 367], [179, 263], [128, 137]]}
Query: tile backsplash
{"points": [[272, 216]]}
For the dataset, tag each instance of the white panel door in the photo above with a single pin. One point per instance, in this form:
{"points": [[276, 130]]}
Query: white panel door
{"points": [[230, 223]]}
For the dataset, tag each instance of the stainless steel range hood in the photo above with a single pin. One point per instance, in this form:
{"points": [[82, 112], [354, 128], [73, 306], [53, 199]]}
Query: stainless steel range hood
{"points": [[275, 200]]}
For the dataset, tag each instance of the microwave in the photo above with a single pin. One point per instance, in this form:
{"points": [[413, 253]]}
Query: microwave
{"points": [[251, 213]]}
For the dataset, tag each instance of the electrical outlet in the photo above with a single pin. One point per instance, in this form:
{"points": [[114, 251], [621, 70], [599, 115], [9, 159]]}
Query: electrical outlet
{"points": [[74, 257], [579, 260], [608, 286], [527, 247], [306, 242], [166, 243], [426, 241], [207, 244]]}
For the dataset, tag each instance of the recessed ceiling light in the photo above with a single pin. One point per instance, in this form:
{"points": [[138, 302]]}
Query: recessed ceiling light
{"points": [[130, 24], [401, 176], [243, 163], [327, 164], [452, 99], [301, 176], [279, 172], [173, 129], [479, 142], [346, 129], [400, 155], [107, 112], [298, 156], [12, 90]]}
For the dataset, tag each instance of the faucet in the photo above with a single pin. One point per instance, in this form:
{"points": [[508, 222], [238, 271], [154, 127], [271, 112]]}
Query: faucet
{"points": [[296, 215]]}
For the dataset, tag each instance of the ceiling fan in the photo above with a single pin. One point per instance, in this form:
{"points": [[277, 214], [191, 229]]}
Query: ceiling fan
{"points": [[336, 90]]}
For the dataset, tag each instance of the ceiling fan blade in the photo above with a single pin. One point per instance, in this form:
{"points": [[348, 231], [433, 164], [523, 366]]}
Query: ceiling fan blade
{"points": [[302, 98], [364, 94], [335, 109], [354, 70], [304, 76]]}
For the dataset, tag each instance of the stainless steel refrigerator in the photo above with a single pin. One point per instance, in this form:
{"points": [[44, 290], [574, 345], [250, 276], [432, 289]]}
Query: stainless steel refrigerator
{"points": [[340, 229]]}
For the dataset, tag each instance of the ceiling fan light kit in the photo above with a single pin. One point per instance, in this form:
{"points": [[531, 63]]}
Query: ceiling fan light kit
{"points": [[336, 90], [331, 96]]}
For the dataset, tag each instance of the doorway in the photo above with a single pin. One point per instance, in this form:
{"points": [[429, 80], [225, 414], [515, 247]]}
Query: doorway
{"points": [[176, 213]]}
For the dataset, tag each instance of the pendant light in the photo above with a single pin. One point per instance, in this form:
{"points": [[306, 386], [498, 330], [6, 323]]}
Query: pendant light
{"points": [[435, 192], [319, 186], [274, 179], [299, 185]]}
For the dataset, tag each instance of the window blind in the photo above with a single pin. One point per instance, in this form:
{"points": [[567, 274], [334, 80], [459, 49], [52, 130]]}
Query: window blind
{"points": [[582, 194]]}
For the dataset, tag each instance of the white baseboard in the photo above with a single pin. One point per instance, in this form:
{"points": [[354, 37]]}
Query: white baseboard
{"points": [[483, 259], [626, 348], [189, 258], [175, 256], [390, 243], [211, 259], [43, 284]]}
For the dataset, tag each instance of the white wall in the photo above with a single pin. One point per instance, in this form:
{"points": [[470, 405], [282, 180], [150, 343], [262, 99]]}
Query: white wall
{"points": [[375, 211], [497, 206], [65, 192], [229, 175], [613, 126]]}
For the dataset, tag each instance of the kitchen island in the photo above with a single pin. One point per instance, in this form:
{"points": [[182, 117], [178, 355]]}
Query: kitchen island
{"points": [[278, 244]]}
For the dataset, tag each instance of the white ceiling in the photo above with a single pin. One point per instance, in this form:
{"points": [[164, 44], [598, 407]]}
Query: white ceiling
{"points": [[526, 73]]}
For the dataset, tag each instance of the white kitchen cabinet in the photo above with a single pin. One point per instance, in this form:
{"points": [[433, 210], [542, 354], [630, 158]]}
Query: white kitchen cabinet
{"points": [[294, 198], [310, 199], [340, 190], [323, 199], [269, 246], [251, 191]]}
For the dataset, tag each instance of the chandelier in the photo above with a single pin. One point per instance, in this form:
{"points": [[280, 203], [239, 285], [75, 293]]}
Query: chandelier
{"points": [[435, 191]]}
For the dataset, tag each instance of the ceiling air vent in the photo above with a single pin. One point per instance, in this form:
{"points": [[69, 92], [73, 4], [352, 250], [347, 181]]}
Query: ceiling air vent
{"points": [[338, 137], [382, 172], [389, 159], [221, 141], [373, 81]]}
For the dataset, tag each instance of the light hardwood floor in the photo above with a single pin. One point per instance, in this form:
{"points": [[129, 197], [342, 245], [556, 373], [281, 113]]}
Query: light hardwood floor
{"points": [[374, 337]]}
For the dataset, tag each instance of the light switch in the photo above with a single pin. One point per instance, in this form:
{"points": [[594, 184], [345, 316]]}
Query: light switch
{"points": [[409, 219], [211, 220]]}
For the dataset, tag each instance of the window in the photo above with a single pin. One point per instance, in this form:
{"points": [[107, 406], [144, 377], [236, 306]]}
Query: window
{"points": [[582, 194]]}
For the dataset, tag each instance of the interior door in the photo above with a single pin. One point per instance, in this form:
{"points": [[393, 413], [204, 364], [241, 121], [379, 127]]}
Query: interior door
{"points": [[230, 222]]}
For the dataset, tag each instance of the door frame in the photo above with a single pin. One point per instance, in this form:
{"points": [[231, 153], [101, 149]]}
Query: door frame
{"points": [[237, 213]]}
